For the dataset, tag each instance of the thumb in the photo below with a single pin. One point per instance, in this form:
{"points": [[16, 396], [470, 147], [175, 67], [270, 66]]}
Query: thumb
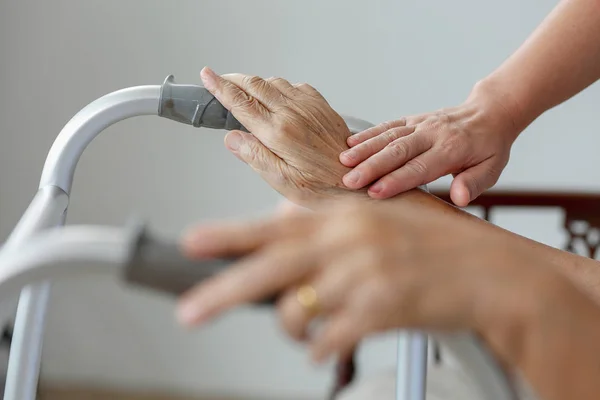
{"points": [[250, 150], [470, 183]]}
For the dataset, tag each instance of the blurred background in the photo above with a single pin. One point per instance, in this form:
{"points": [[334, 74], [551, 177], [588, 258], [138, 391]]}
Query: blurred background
{"points": [[376, 60]]}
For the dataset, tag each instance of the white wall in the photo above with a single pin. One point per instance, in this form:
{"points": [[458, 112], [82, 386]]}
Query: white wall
{"points": [[373, 59]]}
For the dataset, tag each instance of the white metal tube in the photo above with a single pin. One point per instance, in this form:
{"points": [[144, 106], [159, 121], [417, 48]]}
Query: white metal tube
{"points": [[88, 123], [58, 172], [47, 209], [56, 254], [411, 373], [64, 251]]}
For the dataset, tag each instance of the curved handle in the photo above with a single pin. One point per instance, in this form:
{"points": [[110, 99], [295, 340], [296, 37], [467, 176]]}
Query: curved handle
{"points": [[160, 265], [194, 105]]}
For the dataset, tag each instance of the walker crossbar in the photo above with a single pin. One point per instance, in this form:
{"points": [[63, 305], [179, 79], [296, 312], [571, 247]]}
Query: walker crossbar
{"points": [[40, 249]]}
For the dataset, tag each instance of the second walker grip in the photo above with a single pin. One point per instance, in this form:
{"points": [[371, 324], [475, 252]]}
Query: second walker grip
{"points": [[194, 105], [161, 266]]}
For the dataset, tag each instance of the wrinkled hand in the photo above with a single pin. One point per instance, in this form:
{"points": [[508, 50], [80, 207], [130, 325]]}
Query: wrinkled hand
{"points": [[296, 136], [471, 141], [373, 268]]}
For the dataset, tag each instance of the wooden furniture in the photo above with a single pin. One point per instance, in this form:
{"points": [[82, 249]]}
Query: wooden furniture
{"points": [[581, 212]]}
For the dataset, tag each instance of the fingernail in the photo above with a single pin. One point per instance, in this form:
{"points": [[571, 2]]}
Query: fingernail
{"points": [[198, 243], [349, 154], [376, 188], [209, 78], [189, 314], [352, 176], [233, 141]]}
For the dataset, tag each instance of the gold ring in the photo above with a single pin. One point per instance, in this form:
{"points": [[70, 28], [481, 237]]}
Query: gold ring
{"points": [[308, 299]]}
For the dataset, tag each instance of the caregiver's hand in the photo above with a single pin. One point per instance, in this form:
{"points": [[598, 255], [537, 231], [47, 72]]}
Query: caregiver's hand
{"points": [[371, 268], [471, 141], [296, 136]]}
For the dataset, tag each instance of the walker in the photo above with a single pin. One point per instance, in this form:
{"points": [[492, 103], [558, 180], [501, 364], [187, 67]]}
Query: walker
{"points": [[41, 248]]}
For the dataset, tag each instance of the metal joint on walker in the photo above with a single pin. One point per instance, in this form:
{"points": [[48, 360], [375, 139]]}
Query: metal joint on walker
{"points": [[194, 105]]}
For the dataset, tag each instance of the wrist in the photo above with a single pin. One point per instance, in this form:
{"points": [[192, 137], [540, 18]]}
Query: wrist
{"points": [[503, 105], [416, 197]]}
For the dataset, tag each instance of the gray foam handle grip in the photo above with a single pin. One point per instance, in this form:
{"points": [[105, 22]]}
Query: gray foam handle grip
{"points": [[161, 266], [194, 105]]}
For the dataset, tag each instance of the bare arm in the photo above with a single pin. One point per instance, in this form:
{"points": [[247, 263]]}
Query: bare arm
{"points": [[472, 140], [559, 60]]}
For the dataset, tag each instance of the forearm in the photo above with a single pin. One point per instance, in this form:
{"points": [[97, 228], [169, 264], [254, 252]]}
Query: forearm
{"points": [[552, 340], [534, 318], [560, 59], [583, 271]]}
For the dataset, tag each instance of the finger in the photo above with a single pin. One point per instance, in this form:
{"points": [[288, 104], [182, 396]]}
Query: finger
{"points": [[357, 154], [374, 131], [250, 150], [417, 171], [259, 276], [226, 239], [332, 285], [259, 89], [294, 319], [246, 108], [469, 184], [393, 156], [233, 239], [339, 336]]}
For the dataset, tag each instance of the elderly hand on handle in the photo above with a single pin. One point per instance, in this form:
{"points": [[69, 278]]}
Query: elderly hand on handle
{"points": [[296, 136]]}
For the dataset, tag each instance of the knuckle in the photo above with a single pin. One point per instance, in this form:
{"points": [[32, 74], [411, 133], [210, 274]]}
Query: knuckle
{"points": [[251, 154], [280, 81], [390, 135], [417, 166], [387, 125], [308, 89], [397, 149], [252, 81], [243, 100], [493, 174], [450, 145]]}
